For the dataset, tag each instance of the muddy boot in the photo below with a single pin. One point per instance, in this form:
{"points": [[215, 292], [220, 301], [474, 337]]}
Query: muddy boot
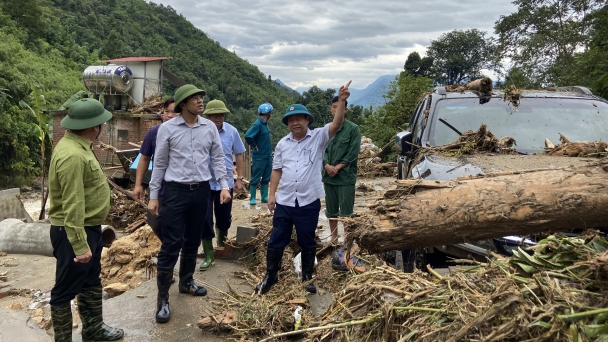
{"points": [[252, 190], [273, 265], [62, 322], [186, 282], [264, 192], [91, 315], [221, 236], [209, 255], [308, 263], [163, 281]]}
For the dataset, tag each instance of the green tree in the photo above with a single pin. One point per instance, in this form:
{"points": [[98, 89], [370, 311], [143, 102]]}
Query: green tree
{"points": [[40, 129], [26, 14], [417, 66], [461, 55], [543, 37], [113, 46], [384, 122]]}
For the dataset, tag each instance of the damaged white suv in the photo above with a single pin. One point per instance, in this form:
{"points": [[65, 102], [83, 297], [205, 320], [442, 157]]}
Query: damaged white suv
{"points": [[534, 120]]}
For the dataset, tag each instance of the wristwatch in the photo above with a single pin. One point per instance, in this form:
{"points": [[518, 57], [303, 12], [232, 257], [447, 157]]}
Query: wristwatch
{"points": [[226, 188], [241, 177]]}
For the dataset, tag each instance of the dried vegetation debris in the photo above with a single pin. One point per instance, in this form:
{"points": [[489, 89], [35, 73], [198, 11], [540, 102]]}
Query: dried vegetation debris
{"points": [[470, 142], [152, 105], [123, 210], [559, 293], [483, 86], [576, 149], [129, 261]]}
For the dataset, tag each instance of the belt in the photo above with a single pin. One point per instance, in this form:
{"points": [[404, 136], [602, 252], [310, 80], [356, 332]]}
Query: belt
{"points": [[189, 186]]}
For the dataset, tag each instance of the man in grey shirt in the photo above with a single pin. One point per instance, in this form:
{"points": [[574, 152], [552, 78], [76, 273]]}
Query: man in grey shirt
{"points": [[184, 146], [297, 164]]}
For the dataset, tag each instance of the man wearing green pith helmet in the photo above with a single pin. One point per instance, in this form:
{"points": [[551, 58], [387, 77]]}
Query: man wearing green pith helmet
{"points": [[187, 148], [80, 201], [216, 111]]}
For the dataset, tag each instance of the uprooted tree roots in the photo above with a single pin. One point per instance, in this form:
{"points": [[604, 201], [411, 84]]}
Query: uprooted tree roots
{"points": [[557, 294]]}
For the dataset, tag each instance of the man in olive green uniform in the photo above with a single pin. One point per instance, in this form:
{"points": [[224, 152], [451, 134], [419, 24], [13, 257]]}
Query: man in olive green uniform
{"points": [[340, 171], [80, 202]]}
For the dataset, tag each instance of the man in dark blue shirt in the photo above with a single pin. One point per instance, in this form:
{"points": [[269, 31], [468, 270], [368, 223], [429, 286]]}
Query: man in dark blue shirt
{"points": [[147, 153]]}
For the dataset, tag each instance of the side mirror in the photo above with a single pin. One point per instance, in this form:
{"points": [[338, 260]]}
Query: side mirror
{"points": [[403, 142]]}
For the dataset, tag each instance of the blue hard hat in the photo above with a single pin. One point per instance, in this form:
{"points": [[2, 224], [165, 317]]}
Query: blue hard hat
{"points": [[297, 109], [264, 108]]}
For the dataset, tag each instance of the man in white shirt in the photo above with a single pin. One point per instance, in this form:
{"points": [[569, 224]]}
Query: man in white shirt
{"points": [[297, 165]]}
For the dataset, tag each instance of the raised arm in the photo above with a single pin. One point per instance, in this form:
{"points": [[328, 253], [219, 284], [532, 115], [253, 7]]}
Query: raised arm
{"points": [[335, 125]]}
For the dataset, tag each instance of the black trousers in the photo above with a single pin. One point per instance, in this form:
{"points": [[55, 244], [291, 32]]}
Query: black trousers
{"points": [[183, 216], [71, 277], [223, 215]]}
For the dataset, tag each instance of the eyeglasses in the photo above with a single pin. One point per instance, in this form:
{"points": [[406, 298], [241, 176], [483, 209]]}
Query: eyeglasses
{"points": [[196, 98]]}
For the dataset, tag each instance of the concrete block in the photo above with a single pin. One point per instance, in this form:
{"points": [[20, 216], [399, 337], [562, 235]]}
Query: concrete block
{"points": [[228, 252], [245, 234]]}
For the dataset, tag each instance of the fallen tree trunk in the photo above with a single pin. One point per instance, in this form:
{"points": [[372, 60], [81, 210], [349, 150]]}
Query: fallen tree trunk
{"points": [[433, 213]]}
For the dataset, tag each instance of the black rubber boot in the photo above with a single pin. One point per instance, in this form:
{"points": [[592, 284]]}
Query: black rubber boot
{"points": [[308, 263], [273, 265], [91, 315], [163, 280], [62, 322], [186, 282]]}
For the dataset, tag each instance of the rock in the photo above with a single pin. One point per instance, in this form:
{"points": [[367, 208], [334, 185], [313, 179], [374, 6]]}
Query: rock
{"points": [[129, 275], [39, 313], [114, 270], [123, 258], [15, 306], [116, 289], [143, 243]]}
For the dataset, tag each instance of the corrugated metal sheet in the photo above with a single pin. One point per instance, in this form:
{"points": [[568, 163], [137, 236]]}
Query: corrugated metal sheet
{"points": [[136, 59]]}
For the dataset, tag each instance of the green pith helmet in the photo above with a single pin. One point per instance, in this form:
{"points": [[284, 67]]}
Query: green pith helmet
{"points": [[85, 113], [183, 93], [297, 109], [216, 107]]}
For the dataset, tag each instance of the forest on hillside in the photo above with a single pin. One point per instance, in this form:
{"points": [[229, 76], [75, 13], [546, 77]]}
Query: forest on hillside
{"points": [[46, 44]]}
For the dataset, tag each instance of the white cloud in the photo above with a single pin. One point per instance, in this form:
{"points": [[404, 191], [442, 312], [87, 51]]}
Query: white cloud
{"points": [[329, 42]]}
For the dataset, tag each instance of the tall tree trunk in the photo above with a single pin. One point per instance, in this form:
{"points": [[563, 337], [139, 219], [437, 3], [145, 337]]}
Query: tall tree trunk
{"points": [[434, 213]]}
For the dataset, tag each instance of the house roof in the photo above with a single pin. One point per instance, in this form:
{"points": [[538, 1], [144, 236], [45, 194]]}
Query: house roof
{"points": [[136, 59]]}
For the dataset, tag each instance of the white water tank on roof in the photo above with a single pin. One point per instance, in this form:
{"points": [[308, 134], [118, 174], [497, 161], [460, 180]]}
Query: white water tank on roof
{"points": [[108, 79]]}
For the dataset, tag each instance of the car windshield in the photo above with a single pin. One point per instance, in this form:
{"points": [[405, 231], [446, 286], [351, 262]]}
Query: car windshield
{"points": [[534, 120]]}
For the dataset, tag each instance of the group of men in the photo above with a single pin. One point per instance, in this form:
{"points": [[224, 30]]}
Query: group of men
{"points": [[192, 181]]}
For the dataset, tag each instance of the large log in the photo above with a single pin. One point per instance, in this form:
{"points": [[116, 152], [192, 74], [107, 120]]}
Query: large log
{"points": [[434, 213]]}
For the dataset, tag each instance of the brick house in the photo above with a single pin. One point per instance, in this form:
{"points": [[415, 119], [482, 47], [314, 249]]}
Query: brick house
{"points": [[123, 129]]}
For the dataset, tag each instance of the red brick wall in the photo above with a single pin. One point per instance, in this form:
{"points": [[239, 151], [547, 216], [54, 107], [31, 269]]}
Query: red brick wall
{"points": [[136, 127]]}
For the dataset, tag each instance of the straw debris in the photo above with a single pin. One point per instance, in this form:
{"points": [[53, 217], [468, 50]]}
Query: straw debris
{"points": [[555, 293]]}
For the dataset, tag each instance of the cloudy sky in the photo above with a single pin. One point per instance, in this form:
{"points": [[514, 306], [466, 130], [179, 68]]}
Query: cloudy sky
{"points": [[326, 43]]}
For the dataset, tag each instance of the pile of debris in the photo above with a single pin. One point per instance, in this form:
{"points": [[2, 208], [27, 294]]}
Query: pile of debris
{"points": [[368, 150], [576, 149], [471, 142], [369, 165], [559, 293], [124, 211], [130, 261], [152, 105], [483, 86]]}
